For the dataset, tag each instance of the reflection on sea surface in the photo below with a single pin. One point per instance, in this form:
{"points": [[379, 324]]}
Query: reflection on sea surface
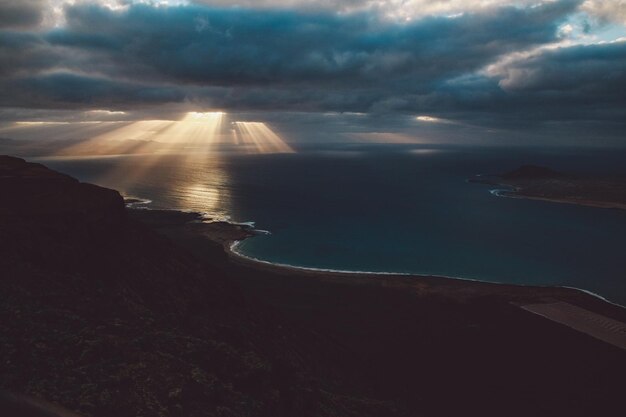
{"points": [[188, 182]]}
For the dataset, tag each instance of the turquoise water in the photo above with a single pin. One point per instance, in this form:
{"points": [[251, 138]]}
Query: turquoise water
{"points": [[393, 209]]}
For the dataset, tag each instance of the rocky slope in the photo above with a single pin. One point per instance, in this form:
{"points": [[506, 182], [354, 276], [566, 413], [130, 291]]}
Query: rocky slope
{"points": [[104, 317]]}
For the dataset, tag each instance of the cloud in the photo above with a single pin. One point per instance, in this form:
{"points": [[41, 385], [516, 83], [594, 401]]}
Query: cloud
{"points": [[242, 46], [21, 13], [575, 84], [595, 71], [396, 10], [272, 58], [487, 65], [606, 10], [77, 91]]}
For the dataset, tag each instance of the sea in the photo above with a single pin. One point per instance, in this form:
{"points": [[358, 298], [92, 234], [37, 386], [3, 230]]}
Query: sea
{"points": [[390, 208]]}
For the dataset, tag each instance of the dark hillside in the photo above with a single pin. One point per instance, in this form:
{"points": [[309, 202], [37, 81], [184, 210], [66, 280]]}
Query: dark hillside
{"points": [[105, 317]]}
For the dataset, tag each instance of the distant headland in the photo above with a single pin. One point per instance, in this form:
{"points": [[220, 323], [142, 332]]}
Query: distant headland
{"points": [[542, 183]]}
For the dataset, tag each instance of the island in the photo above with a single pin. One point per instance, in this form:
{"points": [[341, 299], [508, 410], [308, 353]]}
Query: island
{"points": [[107, 310], [542, 183]]}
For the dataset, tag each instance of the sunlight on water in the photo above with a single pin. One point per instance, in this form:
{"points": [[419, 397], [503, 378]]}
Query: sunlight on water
{"points": [[192, 182], [209, 198]]}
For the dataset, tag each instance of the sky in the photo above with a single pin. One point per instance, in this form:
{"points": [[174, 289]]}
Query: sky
{"points": [[526, 72]]}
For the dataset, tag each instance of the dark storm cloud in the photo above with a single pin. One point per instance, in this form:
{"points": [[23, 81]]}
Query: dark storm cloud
{"points": [[20, 13], [582, 83], [591, 71], [27, 54], [264, 60], [271, 59], [76, 91], [241, 46]]}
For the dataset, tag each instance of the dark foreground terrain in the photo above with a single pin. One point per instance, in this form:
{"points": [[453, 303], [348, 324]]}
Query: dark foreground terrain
{"points": [[111, 312]]}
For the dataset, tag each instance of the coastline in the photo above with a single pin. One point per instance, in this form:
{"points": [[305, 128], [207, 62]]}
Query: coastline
{"points": [[558, 188], [191, 229], [187, 227], [584, 203], [276, 267], [578, 309]]}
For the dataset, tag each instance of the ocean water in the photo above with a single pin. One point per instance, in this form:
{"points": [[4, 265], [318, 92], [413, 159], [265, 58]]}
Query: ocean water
{"points": [[391, 208]]}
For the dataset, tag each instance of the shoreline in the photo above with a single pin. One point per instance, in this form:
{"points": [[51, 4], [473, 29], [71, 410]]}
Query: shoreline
{"points": [[583, 203], [516, 193], [231, 249], [581, 310], [228, 235], [523, 189]]}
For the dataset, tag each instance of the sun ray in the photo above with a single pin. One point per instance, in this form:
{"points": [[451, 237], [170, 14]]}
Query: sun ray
{"points": [[170, 148], [259, 137], [136, 135], [194, 135], [196, 130]]}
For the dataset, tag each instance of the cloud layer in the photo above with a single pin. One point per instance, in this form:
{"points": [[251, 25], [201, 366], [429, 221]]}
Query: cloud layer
{"points": [[489, 64]]}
